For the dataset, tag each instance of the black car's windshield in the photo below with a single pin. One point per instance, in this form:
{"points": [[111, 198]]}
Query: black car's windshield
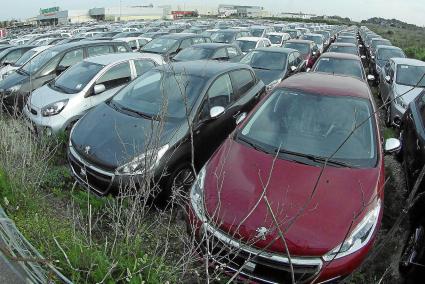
{"points": [[259, 59], [317, 39], [315, 125], [340, 66], [161, 45], [304, 48], [193, 53], [39, 61], [275, 39], [347, 39], [161, 93], [344, 49], [387, 53], [77, 77], [24, 58], [246, 45], [409, 75], [223, 37], [257, 32]]}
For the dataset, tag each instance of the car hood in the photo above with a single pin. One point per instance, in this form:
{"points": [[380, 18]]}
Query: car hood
{"points": [[45, 95], [13, 80], [236, 186], [268, 76], [6, 69], [114, 137], [408, 94]]}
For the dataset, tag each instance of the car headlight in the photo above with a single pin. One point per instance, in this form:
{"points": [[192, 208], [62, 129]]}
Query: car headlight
{"points": [[197, 196], [143, 163], [359, 237], [373, 57], [399, 101], [273, 84], [54, 108], [14, 88]]}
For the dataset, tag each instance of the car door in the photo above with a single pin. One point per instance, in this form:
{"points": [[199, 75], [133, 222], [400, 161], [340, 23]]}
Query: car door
{"points": [[246, 92], [209, 133], [114, 78]]}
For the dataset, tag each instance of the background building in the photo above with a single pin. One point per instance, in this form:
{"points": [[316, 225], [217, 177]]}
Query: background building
{"points": [[128, 13], [225, 10]]}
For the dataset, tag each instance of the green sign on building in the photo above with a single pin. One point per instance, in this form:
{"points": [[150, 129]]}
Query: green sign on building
{"points": [[49, 10]]}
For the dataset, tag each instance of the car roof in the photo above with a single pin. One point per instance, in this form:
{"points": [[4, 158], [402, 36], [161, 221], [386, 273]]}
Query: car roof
{"points": [[212, 45], [276, 49], [76, 44], [250, 38], [300, 41], [328, 84], [181, 35], [339, 55], [380, 46], [110, 58], [408, 61], [343, 44], [203, 68], [278, 33]]}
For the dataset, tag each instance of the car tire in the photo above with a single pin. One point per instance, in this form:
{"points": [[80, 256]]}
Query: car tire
{"points": [[180, 180]]}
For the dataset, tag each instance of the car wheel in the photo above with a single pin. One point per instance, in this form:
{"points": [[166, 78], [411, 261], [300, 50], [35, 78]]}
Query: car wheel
{"points": [[412, 251], [181, 179]]}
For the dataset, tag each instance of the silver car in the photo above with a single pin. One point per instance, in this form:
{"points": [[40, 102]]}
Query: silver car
{"points": [[57, 105], [401, 81]]}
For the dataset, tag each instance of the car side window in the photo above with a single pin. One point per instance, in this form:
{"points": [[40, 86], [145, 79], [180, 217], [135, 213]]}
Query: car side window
{"points": [[121, 48], [197, 40], [298, 58], [220, 53], [220, 91], [142, 66], [116, 76], [387, 68], [207, 39], [232, 52], [260, 44], [133, 44], [243, 82], [50, 67], [72, 58], [186, 43], [266, 43], [12, 56], [291, 60], [99, 49]]}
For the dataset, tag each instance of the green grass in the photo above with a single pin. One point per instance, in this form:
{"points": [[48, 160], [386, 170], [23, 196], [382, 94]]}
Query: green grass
{"points": [[389, 133]]}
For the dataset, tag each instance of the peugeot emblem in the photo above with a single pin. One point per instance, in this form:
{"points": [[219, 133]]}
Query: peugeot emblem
{"points": [[87, 150], [261, 233]]}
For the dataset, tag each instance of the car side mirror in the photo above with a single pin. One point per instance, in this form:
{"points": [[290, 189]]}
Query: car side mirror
{"points": [[60, 69], [98, 89], [308, 70], [388, 79], [370, 77], [216, 111], [241, 117], [392, 145], [293, 68]]}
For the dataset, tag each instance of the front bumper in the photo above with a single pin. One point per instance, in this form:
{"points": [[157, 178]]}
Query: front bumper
{"points": [[44, 125]]}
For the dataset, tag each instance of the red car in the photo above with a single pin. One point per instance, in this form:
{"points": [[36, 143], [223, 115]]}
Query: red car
{"points": [[307, 48], [272, 163]]}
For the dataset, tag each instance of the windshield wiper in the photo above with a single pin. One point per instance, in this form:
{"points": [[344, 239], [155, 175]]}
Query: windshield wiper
{"points": [[253, 145], [22, 71], [261, 68], [139, 113], [315, 158]]}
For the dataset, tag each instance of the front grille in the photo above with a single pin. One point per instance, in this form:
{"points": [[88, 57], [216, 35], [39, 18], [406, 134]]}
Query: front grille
{"points": [[90, 177], [258, 266]]}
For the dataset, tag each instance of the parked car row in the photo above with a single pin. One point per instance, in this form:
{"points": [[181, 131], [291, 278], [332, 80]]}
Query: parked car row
{"points": [[244, 135]]}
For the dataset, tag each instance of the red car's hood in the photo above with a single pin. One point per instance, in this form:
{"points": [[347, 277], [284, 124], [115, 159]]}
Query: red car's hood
{"points": [[235, 182]]}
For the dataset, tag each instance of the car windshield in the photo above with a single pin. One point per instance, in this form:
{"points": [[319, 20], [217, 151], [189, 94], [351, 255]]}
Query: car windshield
{"points": [[24, 58], [386, 53], [246, 45], [293, 34], [77, 77], [315, 125], [409, 75], [339, 66], [31, 67], [257, 32], [316, 39], [161, 45], [265, 60], [347, 40], [304, 48], [275, 39], [4, 53], [161, 93], [375, 43], [193, 53], [344, 49], [223, 37]]}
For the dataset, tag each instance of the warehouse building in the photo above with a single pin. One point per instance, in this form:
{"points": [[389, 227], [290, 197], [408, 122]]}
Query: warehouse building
{"points": [[225, 10]]}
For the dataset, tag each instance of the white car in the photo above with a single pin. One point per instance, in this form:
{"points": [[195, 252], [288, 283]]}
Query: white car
{"points": [[278, 39], [135, 43], [246, 44], [27, 56]]}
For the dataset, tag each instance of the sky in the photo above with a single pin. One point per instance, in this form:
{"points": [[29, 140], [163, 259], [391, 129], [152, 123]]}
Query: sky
{"points": [[411, 11]]}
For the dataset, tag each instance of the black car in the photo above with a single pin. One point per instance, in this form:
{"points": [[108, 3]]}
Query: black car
{"points": [[412, 137], [48, 65], [382, 55], [12, 54], [229, 35], [169, 45], [149, 126], [212, 51], [273, 64]]}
